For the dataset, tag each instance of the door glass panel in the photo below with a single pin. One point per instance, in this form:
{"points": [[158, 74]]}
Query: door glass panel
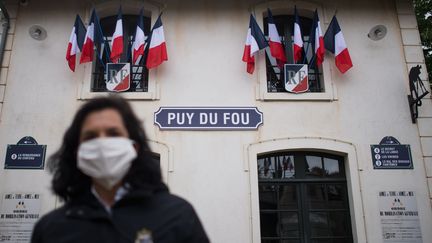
{"points": [[287, 167], [322, 241], [336, 196], [303, 198], [266, 168], [314, 167], [318, 224], [316, 196], [267, 197], [269, 224], [331, 167], [288, 197], [289, 224], [342, 240], [339, 226]]}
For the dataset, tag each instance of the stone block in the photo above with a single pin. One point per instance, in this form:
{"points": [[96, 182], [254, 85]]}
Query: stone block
{"points": [[12, 25], [410, 37], [2, 92], [414, 54], [425, 127], [426, 109], [426, 143], [3, 75], [6, 58], [9, 41], [429, 180], [407, 21], [428, 166]]}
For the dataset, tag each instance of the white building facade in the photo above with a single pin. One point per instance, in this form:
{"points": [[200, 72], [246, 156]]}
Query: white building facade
{"points": [[306, 174]]}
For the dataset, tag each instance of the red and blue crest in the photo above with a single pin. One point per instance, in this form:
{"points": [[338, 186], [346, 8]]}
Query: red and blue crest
{"points": [[118, 77], [296, 78]]}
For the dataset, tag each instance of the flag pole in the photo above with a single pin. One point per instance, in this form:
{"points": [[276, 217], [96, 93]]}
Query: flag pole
{"points": [[309, 42]]}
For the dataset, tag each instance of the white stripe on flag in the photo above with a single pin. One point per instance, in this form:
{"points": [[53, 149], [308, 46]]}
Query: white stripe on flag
{"points": [[273, 34], [157, 37], [340, 44], [297, 35], [118, 29]]}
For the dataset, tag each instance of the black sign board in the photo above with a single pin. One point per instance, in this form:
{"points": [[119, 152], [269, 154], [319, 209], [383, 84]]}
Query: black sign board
{"points": [[390, 154], [26, 154]]}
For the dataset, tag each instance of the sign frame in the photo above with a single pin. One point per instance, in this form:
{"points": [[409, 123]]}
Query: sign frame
{"points": [[393, 145], [209, 109], [24, 144]]}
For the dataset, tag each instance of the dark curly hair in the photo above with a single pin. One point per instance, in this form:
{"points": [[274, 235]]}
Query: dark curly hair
{"points": [[69, 182]]}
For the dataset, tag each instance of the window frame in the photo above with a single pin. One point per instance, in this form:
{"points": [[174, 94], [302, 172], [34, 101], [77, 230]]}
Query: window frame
{"points": [[129, 26], [353, 168], [110, 8], [305, 9], [301, 183]]}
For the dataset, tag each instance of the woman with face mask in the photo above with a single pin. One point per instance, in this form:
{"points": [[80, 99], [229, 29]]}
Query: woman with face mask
{"points": [[111, 186]]}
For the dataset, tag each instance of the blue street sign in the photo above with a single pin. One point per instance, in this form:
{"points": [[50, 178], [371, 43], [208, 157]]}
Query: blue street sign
{"points": [[208, 118], [26, 154], [390, 154]]}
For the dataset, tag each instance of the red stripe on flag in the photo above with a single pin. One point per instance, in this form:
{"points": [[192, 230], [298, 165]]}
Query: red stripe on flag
{"points": [[87, 53], [297, 53], [137, 53], [250, 60], [343, 61], [117, 49], [156, 56], [320, 52], [70, 58], [277, 51]]}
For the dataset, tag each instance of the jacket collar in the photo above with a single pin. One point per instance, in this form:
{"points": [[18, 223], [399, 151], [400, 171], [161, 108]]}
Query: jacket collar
{"points": [[87, 206]]}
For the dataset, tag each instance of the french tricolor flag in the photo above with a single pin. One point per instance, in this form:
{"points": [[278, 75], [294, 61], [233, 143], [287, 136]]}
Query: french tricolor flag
{"points": [[298, 38], [317, 40], [276, 47], [139, 40], [117, 39], [75, 42], [157, 47], [335, 43], [255, 41], [93, 36]]}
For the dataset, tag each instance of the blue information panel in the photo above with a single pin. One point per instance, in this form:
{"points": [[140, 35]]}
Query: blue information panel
{"points": [[208, 118], [390, 154], [26, 154]]}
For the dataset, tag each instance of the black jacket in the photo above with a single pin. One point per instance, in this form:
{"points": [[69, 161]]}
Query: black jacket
{"points": [[137, 217]]}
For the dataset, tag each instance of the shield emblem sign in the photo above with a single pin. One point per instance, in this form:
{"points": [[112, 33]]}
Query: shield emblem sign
{"points": [[118, 77], [296, 78]]}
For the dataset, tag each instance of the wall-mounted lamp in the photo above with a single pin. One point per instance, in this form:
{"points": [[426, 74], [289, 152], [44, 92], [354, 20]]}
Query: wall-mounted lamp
{"points": [[377, 32], [417, 90], [37, 32]]}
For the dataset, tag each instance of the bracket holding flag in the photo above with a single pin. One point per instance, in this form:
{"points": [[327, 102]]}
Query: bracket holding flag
{"points": [[418, 91]]}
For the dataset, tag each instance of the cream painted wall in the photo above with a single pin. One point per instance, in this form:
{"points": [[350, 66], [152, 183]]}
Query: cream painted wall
{"points": [[205, 41]]}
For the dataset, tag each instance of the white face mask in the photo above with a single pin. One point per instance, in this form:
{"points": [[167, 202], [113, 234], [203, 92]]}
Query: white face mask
{"points": [[106, 160]]}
